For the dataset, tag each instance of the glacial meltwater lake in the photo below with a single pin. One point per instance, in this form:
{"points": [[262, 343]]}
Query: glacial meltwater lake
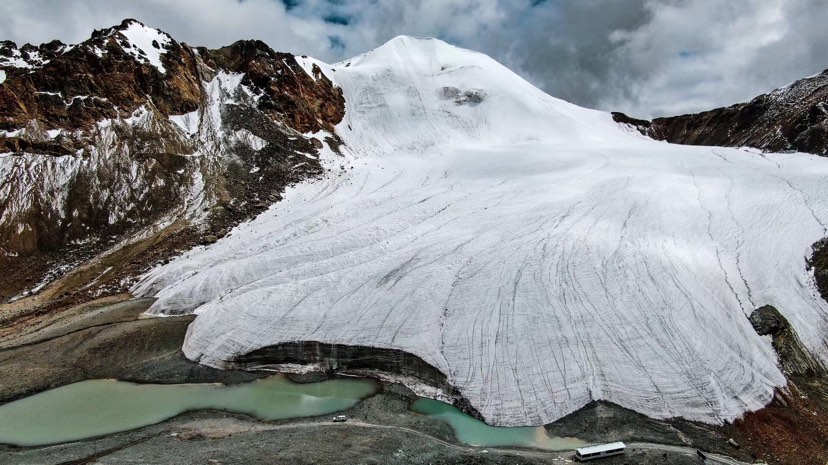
{"points": [[95, 408], [474, 432], [100, 407]]}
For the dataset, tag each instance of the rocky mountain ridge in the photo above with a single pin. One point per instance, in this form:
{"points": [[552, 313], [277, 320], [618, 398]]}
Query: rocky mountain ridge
{"points": [[793, 118], [131, 135]]}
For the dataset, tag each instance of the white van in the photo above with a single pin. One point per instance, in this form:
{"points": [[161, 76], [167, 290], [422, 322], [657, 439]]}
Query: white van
{"points": [[585, 454]]}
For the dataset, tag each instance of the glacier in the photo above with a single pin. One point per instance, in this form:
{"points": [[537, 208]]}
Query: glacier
{"points": [[537, 253]]}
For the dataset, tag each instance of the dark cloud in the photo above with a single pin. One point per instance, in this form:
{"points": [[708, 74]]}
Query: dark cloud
{"points": [[336, 43], [645, 57], [566, 47], [337, 19]]}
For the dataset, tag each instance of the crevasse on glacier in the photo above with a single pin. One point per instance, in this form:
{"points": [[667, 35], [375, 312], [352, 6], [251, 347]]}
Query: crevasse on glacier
{"points": [[534, 251]]}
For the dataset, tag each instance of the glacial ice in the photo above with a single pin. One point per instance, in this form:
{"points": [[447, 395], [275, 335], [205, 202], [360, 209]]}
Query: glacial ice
{"points": [[533, 251]]}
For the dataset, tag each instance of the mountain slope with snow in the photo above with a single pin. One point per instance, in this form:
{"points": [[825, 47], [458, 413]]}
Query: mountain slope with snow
{"points": [[149, 140], [533, 251]]}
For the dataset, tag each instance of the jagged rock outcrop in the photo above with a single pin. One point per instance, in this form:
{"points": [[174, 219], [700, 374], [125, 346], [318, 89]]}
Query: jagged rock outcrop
{"points": [[819, 265], [792, 118], [286, 95], [131, 132], [111, 74], [792, 428], [793, 356]]}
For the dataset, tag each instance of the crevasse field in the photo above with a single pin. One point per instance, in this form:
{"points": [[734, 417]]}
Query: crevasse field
{"points": [[537, 253]]}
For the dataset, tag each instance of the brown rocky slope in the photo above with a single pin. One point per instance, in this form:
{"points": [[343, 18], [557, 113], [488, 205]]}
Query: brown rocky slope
{"points": [[133, 146], [791, 118]]}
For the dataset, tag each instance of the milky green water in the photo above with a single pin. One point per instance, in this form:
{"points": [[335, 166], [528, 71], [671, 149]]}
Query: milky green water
{"points": [[96, 408], [474, 432], [99, 407]]}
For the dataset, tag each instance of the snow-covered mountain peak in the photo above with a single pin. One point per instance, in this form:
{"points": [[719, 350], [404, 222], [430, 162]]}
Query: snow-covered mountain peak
{"points": [[414, 92], [145, 43], [426, 53], [130, 26]]}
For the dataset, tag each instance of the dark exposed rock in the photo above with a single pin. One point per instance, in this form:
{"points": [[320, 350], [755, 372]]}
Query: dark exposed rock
{"points": [[642, 125], [793, 356], [792, 118], [793, 427], [471, 97], [289, 94], [819, 264], [768, 321], [334, 142], [449, 93]]}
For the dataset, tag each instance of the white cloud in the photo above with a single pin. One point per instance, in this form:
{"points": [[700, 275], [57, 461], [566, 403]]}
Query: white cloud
{"points": [[212, 23], [698, 54]]}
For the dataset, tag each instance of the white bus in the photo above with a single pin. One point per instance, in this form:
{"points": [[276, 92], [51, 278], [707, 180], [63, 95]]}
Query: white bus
{"points": [[585, 454]]}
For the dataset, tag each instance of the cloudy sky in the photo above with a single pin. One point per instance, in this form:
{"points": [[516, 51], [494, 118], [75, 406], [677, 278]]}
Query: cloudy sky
{"points": [[644, 57]]}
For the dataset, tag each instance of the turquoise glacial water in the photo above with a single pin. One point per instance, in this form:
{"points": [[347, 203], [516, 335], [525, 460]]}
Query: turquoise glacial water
{"points": [[100, 407]]}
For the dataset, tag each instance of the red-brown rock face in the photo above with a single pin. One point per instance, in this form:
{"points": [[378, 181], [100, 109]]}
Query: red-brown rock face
{"points": [[287, 94], [131, 132], [793, 118]]}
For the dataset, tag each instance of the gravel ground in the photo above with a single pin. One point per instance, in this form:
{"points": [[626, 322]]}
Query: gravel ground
{"points": [[116, 344], [603, 421]]}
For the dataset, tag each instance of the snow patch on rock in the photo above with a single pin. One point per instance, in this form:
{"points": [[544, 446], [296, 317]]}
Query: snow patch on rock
{"points": [[249, 139], [147, 44], [16, 60], [307, 64], [188, 122]]}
